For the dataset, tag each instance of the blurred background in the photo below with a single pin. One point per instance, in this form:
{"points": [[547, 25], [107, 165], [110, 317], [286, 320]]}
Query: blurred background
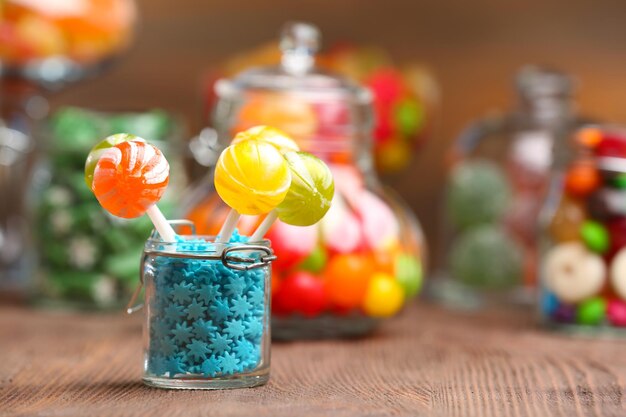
{"points": [[473, 48]]}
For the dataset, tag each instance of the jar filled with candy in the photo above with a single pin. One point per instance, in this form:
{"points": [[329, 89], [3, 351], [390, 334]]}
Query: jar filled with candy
{"points": [[57, 41], [365, 259], [583, 252], [499, 171], [88, 258], [207, 316]]}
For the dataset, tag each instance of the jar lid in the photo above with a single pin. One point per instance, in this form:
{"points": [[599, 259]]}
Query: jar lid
{"points": [[535, 81], [297, 73]]}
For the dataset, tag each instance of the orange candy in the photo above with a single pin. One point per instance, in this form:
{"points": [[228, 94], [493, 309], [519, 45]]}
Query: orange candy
{"points": [[582, 178], [129, 178], [347, 278]]}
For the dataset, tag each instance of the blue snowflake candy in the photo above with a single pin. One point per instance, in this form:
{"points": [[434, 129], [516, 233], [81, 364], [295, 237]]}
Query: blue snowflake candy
{"points": [[206, 319]]}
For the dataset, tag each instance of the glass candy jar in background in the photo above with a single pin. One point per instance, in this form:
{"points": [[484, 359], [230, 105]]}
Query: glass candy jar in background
{"points": [[498, 178], [365, 259], [583, 245], [44, 45], [207, 313], [87, 257]]}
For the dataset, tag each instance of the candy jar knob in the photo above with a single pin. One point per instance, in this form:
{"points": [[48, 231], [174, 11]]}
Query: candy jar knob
{"points": [[299, 43]]}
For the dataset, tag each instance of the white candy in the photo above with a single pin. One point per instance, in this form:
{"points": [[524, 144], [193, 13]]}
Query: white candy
{"points": [[618, 273], [573, 273]]}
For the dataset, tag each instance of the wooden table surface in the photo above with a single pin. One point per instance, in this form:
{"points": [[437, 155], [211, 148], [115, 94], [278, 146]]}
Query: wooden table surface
{"points": [[428, 362]]}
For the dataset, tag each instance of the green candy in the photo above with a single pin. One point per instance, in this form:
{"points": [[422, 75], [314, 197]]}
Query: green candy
{"points": [[97, 151], [310, 193], [409, 117], [409, 274], [591, 312], [316, 261], [595, 236], [486, 257], [478, 193]]}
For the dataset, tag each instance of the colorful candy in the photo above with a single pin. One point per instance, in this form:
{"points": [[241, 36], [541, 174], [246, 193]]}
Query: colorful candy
{"points": [[310, 193], [252, 177], [129, 178], [97, 151], [384, 296], [573, 273], [84, 31], [585, 268], [268, 134], [347, 278]]}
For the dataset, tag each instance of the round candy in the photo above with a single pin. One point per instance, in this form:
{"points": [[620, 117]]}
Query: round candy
{"points": [[573, 273], [591, 312], [409, 274], [301, 292], [616, 313], [619, 181], [595, 236], [310, 193], [347, 277], [486, 257], [582, 178], [567, 220], [129, 178], [618, 273], [384, 296], [479, 193], [97, 151], [589, 136], [252, 177], [268, 134]]}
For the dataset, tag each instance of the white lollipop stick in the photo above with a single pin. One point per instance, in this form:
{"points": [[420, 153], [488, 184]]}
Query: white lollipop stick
{"points": [[160, 224], [264, 227], [228, 227]]}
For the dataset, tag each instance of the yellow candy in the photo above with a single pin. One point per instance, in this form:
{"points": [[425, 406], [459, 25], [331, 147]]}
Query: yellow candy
{"points": [[268, 134], [384, 296], [252, 177]]}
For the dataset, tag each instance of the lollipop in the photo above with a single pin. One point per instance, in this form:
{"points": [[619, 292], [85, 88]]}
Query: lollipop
{"points": [[97, 151], [275, 137], [252, 177], [129, 178], [309, 196]]}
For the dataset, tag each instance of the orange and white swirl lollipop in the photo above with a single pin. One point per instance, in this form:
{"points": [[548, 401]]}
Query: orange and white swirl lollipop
{"points": [[129, 179]]}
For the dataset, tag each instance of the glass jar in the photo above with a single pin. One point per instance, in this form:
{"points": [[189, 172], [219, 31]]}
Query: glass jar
{"points": [[207, 313], [87, 257], [365, 259], [583, 255], [499, 170]]}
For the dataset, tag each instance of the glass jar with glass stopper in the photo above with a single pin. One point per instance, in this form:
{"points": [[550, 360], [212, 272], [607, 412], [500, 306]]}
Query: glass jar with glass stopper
{"points": [[498, 175], [365, 259]]}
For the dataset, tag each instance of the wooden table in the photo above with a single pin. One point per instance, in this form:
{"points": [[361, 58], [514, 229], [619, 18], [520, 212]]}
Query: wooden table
{"points": [[429, 362]]}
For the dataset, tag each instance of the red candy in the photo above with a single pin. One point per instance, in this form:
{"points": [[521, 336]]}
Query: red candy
{"points": [[301, 292], [616, 312], [582, 178]]}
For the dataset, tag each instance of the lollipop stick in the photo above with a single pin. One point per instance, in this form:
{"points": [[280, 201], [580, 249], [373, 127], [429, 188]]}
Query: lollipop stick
{"points": [[228, 227], [265, 225], [160, 224]]}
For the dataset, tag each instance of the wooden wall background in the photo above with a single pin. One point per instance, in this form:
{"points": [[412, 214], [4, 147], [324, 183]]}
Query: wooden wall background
{"points": [[473, 46]]}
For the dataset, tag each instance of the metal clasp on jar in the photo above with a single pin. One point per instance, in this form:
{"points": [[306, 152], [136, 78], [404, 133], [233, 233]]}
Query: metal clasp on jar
{"points": [[246, 263]]}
